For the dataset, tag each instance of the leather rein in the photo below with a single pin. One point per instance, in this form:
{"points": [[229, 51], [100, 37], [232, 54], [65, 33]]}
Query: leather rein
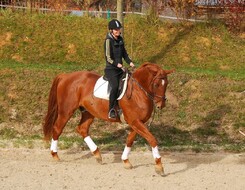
{"points": [[152, 97]]}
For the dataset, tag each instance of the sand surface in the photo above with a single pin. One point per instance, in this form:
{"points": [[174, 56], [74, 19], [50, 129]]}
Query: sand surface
{"points": [[25, 169]]}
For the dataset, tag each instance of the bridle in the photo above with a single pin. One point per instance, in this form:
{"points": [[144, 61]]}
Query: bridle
{"points": [[154, 95], [162, 98], [151, 96]]}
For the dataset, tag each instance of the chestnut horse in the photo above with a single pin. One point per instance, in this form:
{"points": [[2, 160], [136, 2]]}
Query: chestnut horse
{"points": [[146, 88]]}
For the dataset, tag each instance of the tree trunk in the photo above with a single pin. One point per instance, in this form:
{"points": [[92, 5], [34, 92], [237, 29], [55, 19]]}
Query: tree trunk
{"points": [[120, 13]]}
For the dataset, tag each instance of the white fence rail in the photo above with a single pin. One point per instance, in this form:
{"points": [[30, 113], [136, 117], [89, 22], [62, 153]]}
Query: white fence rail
{"points": [[44, 7]]}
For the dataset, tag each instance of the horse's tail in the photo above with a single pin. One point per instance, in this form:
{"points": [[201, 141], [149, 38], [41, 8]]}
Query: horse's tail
{"points": [[52, 111]]}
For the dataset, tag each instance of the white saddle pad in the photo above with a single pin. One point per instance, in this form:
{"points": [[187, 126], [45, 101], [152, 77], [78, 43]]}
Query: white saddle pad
{"points": [[101, 88]]}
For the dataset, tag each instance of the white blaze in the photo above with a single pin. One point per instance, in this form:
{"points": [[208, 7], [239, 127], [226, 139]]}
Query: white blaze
{"points": [[163, 82]]}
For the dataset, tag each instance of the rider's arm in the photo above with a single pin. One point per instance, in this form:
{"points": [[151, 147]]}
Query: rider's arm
{"points": [[108, 52]]}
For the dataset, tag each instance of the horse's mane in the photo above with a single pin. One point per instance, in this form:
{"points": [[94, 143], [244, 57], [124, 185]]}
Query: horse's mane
{"points": [[146, 64], [151, 68]]}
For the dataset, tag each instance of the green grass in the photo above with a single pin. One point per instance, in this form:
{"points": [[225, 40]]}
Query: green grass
{"points": [[56, 39], [65, 67], [8, 133], [208, 84], [236, 74]]}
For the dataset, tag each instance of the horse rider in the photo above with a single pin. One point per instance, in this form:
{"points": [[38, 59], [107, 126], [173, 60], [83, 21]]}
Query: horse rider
{"points": [[114, 51]]}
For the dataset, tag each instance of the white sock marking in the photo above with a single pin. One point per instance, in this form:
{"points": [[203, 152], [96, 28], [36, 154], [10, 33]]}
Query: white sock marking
{"points": [[92, 146], [126, 153], [54, 145], [155, 152]]}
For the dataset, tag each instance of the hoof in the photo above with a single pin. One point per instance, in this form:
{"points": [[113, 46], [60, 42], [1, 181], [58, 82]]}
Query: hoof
{"points": [[55, 156], [98, 159], [127, 164], [158, 167], [159, 170], [97, 156]]}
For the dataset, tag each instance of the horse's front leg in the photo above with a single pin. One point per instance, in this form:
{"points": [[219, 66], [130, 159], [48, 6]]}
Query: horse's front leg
{"points": [[127, 149], [142, 130]]}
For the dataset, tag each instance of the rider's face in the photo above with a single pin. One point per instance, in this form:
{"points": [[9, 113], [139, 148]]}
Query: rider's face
{"points": [[116, 32]]}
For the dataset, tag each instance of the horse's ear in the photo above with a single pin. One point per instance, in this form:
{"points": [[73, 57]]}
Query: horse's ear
{"points": [[169, 71], [152, 68]]}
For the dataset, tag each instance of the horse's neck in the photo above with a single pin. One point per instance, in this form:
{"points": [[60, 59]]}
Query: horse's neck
{"points": [[143, 78]]}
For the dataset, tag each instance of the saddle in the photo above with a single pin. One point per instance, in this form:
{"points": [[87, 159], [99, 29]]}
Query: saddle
{"points": [[102, 88]]}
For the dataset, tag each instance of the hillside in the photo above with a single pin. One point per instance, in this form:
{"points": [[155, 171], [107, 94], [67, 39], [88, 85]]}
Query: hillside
{"points": [[206, 99]]}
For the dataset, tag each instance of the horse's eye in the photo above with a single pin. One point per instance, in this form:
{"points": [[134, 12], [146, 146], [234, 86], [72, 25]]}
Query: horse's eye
{"points": [[156, 85]]}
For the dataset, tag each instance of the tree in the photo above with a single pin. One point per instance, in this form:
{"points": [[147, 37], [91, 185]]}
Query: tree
{"points": [[120, 12]]}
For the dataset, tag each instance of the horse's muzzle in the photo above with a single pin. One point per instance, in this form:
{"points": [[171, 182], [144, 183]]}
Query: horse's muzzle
{"points": [[160, 105]]}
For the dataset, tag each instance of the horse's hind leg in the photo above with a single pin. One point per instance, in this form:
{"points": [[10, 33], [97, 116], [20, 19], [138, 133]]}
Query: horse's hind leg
{"points": [[127, 149], [83, 130], [57, 130]]}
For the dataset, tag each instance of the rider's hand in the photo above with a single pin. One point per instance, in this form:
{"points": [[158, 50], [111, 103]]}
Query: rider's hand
{"points": [[119, 65], [131, 64]]}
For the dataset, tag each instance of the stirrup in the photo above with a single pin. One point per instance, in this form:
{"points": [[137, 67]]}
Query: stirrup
{"points": [[112, 114]]}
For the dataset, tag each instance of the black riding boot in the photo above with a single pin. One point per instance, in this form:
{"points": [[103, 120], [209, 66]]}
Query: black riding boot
{"points": [[112, 114]]}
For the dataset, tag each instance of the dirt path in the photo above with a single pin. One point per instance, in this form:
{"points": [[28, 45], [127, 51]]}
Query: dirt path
{"points": [[34, 169]]}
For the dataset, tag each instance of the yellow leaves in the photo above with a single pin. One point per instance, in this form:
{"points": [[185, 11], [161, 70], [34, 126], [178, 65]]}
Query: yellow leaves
{"points": [[217, 39], [71, 49], [5, 39], [17, 57], [12, 91], [163, 34], [242, 35], [204, 41], [185, 58], [224, 67], [195, 86], [71, 52]]}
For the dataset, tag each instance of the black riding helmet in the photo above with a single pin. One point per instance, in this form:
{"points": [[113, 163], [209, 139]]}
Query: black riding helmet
{"points": [[114, 24]]}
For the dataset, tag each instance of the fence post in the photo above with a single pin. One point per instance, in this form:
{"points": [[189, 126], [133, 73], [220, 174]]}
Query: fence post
{"points": [[108, 15], [28, 6]]}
